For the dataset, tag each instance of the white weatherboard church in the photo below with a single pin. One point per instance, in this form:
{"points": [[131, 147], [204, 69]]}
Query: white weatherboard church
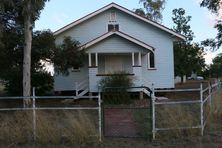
{"points": [[117, 39]]}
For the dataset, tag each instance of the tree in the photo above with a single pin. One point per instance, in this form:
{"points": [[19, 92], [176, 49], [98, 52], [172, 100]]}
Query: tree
{"points": [[140, 12], [216, 66], [11, 57], [30, 11], [73, 53], [188, 56], [43, 50], [214, 6], [153, 9]]}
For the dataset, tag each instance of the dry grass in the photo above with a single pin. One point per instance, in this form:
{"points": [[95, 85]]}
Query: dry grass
{"points": [[53, 127], [15, 128], [177, 116], [217, 103], [187, 115], [79, 128]]}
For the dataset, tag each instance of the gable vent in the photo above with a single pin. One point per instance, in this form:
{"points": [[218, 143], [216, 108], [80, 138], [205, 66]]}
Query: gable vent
{"points": [[112, 17]]}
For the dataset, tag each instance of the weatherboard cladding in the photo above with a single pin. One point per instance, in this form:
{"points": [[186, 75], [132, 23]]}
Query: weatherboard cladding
{"points": [[116, 44], [162, 41], [67, 83], [119, 34], [116, 6]]}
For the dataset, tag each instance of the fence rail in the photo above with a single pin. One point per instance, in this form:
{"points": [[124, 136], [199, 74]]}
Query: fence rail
{"points": [[33, 108], [203, 99], [178, 90]]}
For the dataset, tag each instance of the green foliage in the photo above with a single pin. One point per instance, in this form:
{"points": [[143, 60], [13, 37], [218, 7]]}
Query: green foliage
{"points": [[215, 43], [181, 21], [114, 88], [73, 56], [216, 66], [43, 82], [140, 12], [34, 9], [214, 6], [11, 56], [188, 56], [43, 48], [13, 14], [153, 9]]}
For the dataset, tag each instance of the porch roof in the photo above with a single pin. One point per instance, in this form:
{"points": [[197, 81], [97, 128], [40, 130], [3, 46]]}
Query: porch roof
{"points": [[120, 34]]}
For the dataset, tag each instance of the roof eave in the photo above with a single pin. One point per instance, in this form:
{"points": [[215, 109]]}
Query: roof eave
{"points": [[127, 37], [122, 9]]}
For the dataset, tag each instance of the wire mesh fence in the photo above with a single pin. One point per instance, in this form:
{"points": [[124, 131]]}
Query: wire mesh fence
{"points": [[125, 114], [187, 113], [126, 122], [60, 120], [55, 126]]}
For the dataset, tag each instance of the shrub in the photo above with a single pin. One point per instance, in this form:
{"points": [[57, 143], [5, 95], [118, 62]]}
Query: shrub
{"points": [[114, 88]]}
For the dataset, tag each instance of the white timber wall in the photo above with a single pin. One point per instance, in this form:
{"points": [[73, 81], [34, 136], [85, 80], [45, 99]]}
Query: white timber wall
{"points": [[162, 77], [67, 82]]}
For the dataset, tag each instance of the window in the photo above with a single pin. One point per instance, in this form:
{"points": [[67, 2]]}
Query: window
{"points": [[112, 17], [110, 27], [116, 27], [113, 27], [151, 60]]}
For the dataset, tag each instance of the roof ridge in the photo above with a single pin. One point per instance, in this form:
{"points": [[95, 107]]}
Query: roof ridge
{"points": [[121, 8]]}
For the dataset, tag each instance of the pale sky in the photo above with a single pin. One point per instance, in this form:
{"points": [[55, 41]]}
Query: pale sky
{"points": [[58, 13]]}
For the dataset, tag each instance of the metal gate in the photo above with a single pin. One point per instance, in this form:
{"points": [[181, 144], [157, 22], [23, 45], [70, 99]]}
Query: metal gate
{"points": [[127, 121]]}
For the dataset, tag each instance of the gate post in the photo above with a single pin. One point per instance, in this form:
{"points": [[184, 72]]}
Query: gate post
{"points": [[153, 113], [34, 113], [100, 116], [209, 93], [201, 109]]}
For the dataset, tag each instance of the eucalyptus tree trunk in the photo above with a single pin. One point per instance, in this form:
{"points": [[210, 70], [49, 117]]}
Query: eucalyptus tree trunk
{"points": [[27, 57], [1, 26]]}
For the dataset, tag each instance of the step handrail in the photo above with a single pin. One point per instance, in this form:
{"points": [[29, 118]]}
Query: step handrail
{"points": [[83, 85]]}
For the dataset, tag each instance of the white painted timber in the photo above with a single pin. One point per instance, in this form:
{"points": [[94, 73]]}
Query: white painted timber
{"points": [[95, 26]]}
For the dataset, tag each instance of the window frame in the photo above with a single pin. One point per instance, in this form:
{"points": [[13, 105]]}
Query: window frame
{"points": [[149, 61], [114, 27]]}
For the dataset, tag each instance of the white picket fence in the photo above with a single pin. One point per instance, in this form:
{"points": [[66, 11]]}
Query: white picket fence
{"points": [[34, 108], [205, 96]]}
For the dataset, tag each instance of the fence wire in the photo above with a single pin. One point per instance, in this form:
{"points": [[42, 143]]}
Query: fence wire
{"points": [[126, 122]]}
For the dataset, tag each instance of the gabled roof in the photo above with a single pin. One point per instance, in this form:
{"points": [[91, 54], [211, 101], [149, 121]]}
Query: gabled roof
{"points": [[118, 33], [114, 5]]}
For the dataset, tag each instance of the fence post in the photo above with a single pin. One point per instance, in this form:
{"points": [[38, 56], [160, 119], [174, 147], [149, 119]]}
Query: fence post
{"points": [[217, 86], [209, 93], [34, 113], [76, 85], [153, 113], [219, 83], [100, 116], [201, 109]]}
